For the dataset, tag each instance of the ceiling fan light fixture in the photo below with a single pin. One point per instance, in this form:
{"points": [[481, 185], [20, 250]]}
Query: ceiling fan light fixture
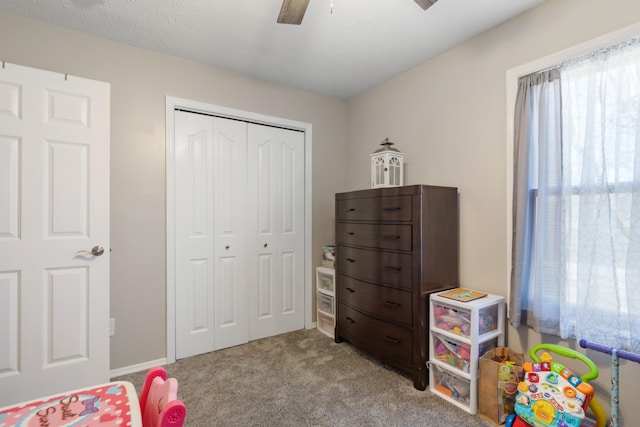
{"points": [[425, 4], [292, 11]]}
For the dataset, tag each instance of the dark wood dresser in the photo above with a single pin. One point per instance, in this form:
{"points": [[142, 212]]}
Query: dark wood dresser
{"points": [[394, 247]]}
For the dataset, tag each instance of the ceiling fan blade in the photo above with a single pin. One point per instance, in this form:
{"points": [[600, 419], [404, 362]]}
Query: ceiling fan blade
{"points": [[292, 11], [426, 4]]}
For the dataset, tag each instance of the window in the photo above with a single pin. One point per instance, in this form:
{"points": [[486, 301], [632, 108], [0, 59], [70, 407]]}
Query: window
{"points": [[576, 203]]}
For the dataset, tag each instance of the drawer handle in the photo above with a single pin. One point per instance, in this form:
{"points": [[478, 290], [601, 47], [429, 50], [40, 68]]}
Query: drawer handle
{"points": [[350, 210], [392, 340], [350, 320], [392, 304], [392, 268], [350, 259], [351, 233], [392, 208], [391, 237], [349, 290]]}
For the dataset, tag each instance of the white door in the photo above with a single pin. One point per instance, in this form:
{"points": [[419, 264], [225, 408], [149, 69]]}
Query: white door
{"points": [[54, 202], [276, 231], [194, 234], [230, 223], [239, 232], [211, 263]]}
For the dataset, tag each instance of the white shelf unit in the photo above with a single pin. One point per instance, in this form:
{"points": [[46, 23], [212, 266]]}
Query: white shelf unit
{"points": [[460, 332], [326, 300]]}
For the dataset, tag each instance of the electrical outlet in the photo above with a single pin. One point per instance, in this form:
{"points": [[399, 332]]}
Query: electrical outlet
{"points": [[112, 327]]}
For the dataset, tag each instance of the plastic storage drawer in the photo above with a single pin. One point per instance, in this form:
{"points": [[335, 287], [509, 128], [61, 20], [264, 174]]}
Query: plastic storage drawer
{"points": [[457, 320], [324, 279], [457, 354], [452, 387], [326, 324], [325, 304]]}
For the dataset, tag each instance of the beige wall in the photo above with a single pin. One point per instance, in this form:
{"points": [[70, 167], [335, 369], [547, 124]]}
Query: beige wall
{"points": [[448, 115], [140, 80]]}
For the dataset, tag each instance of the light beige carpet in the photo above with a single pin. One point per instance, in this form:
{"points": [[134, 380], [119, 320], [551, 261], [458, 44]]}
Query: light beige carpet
{"points": [[303, 379]]}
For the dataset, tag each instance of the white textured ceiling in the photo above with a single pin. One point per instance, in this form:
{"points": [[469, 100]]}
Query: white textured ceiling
{"points": [[339, 54]]}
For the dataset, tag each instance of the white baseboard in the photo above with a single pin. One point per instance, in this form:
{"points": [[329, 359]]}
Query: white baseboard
{"points": [[137, 368]]}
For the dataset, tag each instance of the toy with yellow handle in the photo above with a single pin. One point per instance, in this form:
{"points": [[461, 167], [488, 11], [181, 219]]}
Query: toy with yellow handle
{"points": [[551, 395], [594, 405], [598, 412], [566, 352]]}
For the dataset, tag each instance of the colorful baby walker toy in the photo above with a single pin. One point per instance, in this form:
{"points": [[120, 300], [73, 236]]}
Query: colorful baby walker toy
{"points": [[550, 394]]}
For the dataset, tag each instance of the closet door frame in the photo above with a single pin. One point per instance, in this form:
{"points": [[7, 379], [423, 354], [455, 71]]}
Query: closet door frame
{"points": [[173, 103]]}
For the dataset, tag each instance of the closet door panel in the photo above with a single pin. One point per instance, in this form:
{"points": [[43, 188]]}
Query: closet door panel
{"points": [[291, 228], [264, 305], [276, 176], [194, 234], [288, 291], [263, 160], [265, 286], [230, 248], [262, 298]]}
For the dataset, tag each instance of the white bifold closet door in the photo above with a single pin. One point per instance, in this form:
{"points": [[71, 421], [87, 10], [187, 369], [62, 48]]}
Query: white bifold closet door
{"points": [[239, 213], [276, 231]]}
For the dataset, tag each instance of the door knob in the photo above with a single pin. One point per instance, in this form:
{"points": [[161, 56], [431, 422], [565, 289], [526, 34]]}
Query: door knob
{"points": [[95, 251]]}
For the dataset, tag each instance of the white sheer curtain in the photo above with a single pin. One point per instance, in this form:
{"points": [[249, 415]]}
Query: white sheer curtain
{"points": [[576, 242], [601, 197]]}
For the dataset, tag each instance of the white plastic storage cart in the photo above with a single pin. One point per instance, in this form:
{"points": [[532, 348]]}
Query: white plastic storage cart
{"points": [[326, 300], [460, 332]]}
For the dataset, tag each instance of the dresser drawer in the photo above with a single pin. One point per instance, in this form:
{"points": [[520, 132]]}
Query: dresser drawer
{"points": [[383, 268], [394, 208], [390, 304], [379, 236], [390, 341]]}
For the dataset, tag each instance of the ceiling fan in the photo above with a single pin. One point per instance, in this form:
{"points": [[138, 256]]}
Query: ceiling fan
{"points": [[292, 11]]}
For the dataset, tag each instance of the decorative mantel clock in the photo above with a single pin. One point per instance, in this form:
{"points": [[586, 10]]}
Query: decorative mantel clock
{"points": [[387, 168]]}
